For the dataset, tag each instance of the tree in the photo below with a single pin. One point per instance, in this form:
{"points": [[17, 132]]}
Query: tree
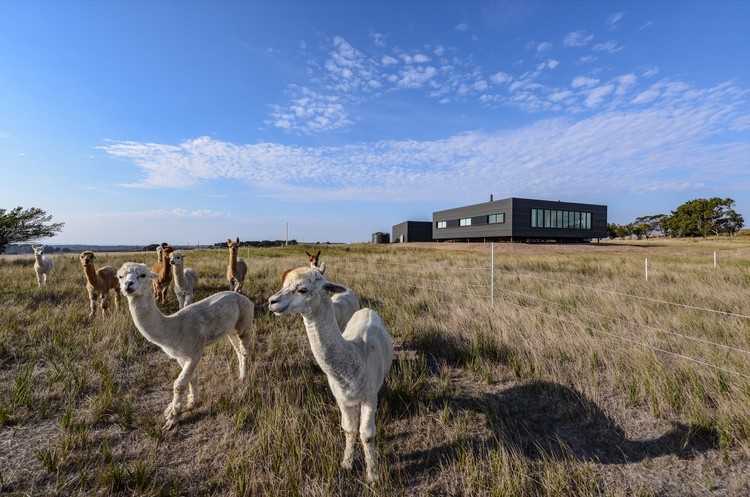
{"points": [[23, 225]]}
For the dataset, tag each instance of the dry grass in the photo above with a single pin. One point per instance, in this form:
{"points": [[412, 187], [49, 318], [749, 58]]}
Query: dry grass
{"points": [[565, 385]]}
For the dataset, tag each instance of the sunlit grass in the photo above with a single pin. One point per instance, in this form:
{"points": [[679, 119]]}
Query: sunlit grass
{"points": [[86, 395]]}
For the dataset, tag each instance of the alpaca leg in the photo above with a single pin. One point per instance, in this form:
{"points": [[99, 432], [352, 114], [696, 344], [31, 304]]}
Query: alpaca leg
{"points": [[180, 300], [181, 384], [241, 352], [92, 304], [349, 422], [192, 399], [38, 280], [367, 432], [105, 303], [118, 296]]}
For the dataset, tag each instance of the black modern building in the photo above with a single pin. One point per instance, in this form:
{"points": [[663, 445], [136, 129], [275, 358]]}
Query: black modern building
{"points": [[412, 231], [521, 219]]}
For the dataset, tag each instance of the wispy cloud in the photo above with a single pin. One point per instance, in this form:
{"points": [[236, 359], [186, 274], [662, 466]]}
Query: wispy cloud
{"points": [[636, 145], [156, 213], [463, 27], [577, 39], [609, 47], [613, 20]]}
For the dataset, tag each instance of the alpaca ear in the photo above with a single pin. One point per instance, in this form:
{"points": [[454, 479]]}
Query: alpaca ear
{"points": [[318, 254], [308, 253], [334, 288], [152, 275], [229, 242], [238, 240]]}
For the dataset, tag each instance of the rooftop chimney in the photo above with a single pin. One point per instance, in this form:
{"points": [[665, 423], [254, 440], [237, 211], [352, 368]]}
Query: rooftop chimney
{"points": [[491, 197]]}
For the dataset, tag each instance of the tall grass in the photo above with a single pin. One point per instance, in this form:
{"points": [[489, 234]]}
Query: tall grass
{"points": [[581, 378]]}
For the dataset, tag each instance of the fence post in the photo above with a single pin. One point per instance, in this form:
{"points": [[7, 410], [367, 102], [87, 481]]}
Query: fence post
{"points": [[714, 259], [646, 268], [492, 272]]}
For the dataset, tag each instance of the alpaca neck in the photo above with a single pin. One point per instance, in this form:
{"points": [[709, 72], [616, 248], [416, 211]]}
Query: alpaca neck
{"points": [[179, 275], [39, 258], [233, 261], [90, 274], [147, 317], [335, 355]]}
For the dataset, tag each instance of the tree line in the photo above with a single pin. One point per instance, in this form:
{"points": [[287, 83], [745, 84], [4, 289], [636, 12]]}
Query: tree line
{"points": [[695, 218]]}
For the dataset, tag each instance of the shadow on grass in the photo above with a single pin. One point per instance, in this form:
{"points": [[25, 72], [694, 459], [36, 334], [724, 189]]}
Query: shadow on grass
{"points": [[544, 420], [541, 420]]}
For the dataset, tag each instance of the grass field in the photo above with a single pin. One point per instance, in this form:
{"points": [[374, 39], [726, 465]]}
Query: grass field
{"points": [[579, 378]]}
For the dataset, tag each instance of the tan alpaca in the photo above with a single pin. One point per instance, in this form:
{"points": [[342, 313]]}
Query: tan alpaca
{"points": [[237, 269], [99, 282], [164, 270]]}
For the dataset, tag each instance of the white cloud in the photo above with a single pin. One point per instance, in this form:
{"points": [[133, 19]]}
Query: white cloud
{"points": [[665, 146], [378, 39], [577, 39], [387, 60], [613, 21], [415, 77], [651, 71], [597, 95], [543, 47], [609, 47], [310, 112], [420, 59], [156, 213], [462, 27], [646, 25], [500, 77], [580, 81]]}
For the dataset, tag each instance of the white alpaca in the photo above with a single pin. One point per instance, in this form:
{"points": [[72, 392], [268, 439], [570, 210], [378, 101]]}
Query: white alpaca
{"points": [[237, 269], [355, 363], [184, 334], [345, 303], [42, 265], [185, 280]]}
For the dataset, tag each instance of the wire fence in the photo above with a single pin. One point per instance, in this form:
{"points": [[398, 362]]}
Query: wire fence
{"points": [[445, 278]]}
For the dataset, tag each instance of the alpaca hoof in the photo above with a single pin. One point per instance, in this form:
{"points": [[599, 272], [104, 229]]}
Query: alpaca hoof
{"points": [[169, 425], [372, 476], [347, 464]]}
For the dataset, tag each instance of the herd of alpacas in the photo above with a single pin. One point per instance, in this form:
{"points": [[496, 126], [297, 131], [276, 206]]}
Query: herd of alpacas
{"points": [[351, 345]]}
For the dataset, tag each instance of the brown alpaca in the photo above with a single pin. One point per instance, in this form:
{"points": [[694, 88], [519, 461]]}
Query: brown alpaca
{"points": [[237, 268], [314, 260], [99, 282], [164, 270]]}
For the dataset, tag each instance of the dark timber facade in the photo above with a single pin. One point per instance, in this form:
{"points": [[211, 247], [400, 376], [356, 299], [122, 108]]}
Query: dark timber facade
{"points": [[412, 231], [521, 219]]}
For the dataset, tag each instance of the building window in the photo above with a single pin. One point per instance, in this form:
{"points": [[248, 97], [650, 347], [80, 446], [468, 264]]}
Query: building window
{"points": [[496, 218], [465, 221], [547, 218], [442, 224]]}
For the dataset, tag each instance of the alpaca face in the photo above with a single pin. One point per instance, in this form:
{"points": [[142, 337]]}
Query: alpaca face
{"points": [[313, 259], [135, 279], [299, 288], [87, 258], [38, 250], [177, 259]]}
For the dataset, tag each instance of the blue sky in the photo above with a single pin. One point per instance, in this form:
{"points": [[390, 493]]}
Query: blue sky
{"points": [[194, 122]]}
